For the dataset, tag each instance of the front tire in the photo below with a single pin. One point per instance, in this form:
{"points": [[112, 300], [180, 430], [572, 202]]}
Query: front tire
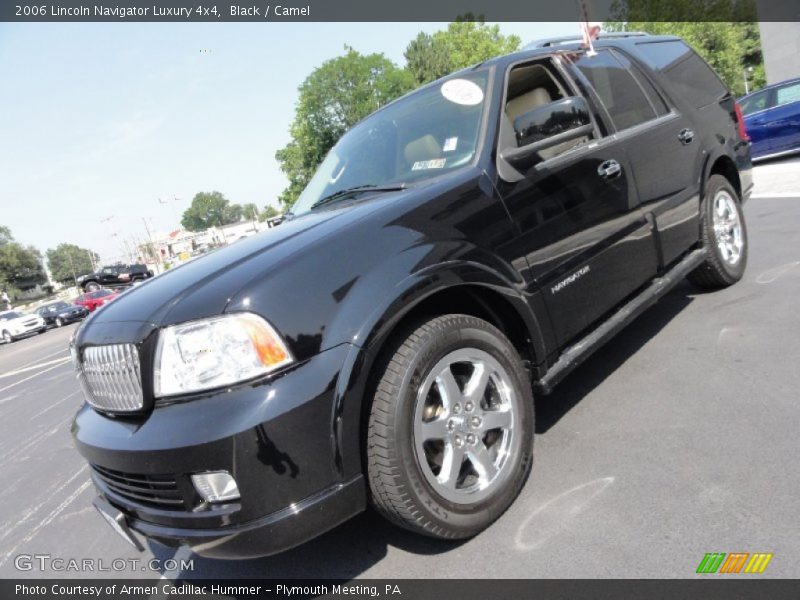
{"points": [[7, 337], [91, 286], [724, 237], [450, 434], [59, 322]]}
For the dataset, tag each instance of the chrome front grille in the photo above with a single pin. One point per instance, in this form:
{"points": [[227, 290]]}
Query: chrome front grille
{"points": [[111, 378]]}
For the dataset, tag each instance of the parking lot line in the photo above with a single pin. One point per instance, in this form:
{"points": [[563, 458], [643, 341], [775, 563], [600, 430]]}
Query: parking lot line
{"points": [[8, 387], [34, 367]]}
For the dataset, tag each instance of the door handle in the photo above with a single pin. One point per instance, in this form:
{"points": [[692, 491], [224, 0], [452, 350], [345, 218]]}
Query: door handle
{"points": [[609, 169], [686, 136]]}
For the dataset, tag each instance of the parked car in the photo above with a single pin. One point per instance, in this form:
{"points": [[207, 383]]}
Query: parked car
{"points": [[457, 253], [61, 313], [91, 301], [15, 324], [772, 119], [114, 276]]}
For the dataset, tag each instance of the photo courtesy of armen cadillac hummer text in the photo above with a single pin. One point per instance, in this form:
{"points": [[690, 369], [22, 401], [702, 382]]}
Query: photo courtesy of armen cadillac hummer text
{"points": [[456, 254]]}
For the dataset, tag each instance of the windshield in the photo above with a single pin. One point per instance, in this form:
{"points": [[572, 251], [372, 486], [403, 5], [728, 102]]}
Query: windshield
{"points": [[420, 136], [11, 315], [57, 306]]}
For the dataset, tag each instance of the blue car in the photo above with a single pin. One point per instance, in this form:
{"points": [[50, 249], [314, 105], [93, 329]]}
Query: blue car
{"points": [[772, 119]]}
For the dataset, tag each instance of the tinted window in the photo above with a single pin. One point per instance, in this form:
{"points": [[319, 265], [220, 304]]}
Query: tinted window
{"points": [[620, 93], [754, 103], [787, 94], [691, 77], [649, 89]]}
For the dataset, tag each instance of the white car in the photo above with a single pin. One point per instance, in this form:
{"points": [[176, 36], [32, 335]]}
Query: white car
{"points": [[15, 324]]}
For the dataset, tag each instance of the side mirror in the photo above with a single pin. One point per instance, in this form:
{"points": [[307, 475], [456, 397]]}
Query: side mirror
{"points": [[545, 127]]}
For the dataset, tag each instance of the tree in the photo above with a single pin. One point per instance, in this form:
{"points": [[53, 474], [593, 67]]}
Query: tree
{"points": [[210, 209], [20, 267], [232, 213], [5, 235], [723, 32], [333, 98], [268, 213], [250, 211], [465, 42], [66, 261]]}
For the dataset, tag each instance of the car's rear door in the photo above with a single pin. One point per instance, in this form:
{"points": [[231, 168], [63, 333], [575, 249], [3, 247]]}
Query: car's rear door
{"points": [[784, 124], [583, 240]]}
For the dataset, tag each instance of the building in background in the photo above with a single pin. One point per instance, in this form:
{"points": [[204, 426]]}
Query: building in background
{"points": [[780, 45]]}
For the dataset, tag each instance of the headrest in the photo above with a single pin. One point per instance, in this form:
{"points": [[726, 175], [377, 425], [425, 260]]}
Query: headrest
{"points": [[423, 148], [527, 101]]}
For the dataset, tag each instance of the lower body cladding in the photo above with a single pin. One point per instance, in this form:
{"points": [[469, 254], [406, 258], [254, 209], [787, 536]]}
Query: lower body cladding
{"points": [[275, 438]]}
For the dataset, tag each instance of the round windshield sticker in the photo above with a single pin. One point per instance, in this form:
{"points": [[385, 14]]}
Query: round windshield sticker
{"points": [[462, 91]]}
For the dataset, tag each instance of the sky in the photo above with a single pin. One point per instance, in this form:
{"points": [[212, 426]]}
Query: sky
{"points": [[109, 129]]}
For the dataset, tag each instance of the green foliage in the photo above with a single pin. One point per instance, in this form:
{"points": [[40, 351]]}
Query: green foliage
{"points": [[210, 209], [250, 211], [67, 261], [729, 47], [333, 98], [465, 42], [268, 212], [5, 235], [19, 266]]}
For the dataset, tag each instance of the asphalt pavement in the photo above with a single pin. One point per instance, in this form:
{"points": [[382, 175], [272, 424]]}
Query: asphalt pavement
{"points": [[678, 438]]}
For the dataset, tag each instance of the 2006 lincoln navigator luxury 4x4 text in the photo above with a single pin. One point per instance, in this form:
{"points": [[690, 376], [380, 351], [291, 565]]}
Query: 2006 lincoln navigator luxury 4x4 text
{"points": [[457, 253]]}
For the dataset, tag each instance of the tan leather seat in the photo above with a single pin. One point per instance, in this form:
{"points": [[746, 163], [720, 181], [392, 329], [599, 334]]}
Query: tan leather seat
{"points": [[421, 149], [526, 102]]}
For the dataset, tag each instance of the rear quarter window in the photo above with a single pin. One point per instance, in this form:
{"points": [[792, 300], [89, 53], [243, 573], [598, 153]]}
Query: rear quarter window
{"points": [[690, 76]]}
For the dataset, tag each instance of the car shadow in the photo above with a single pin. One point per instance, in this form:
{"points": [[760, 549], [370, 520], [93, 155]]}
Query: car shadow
{"points": [[586, 377], [345, 552], [355, 546]]}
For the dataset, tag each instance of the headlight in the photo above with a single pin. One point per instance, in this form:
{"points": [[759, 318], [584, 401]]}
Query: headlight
{"points": [[216, 352]]}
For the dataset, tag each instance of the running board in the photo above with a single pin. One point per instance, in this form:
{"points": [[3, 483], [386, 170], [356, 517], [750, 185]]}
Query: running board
{"points": [[574, 355]]}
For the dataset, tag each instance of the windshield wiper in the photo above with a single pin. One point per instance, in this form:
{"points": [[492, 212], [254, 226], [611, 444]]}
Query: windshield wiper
{"points": [[356, 190]]}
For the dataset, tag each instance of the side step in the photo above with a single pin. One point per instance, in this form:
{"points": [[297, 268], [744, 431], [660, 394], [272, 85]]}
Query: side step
{"points": [[574, 355]]}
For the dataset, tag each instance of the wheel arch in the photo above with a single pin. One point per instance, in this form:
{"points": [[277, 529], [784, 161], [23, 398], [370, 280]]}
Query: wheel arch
{"points": [[724, 165], [462, 289]]}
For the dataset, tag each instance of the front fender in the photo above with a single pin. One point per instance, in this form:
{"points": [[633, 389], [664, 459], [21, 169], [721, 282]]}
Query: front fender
{"points": [[390, 309]]}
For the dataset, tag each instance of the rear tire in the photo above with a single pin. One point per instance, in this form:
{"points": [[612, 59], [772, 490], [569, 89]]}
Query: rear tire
{"points": [[450, 435], [724, 236]]}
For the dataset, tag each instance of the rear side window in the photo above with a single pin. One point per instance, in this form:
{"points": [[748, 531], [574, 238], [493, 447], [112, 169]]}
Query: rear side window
{"points": [[689, 74], [622, 96], [755, 103], [787, 94]]}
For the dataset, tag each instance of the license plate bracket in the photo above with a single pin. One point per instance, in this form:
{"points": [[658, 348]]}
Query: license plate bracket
{"points": [[118, 522]]}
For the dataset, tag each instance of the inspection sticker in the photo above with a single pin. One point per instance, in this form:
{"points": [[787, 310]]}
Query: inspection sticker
{"points": [[450, 144], [436, 163], [462, 91]]}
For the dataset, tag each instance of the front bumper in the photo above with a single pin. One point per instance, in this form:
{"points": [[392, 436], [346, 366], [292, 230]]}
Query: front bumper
{"points": [[275, 437]]}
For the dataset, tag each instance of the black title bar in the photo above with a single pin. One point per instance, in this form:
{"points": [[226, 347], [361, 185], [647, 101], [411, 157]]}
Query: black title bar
{"points": [[382, 11]]}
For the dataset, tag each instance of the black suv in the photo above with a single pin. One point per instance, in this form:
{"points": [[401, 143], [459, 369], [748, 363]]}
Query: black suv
{"points": [[114, 276], [457, 253]]}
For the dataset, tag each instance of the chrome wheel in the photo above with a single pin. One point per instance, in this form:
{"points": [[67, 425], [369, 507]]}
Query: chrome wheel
{"points": [[727, 228], [59, 322], [7, 337], [464, 426]]}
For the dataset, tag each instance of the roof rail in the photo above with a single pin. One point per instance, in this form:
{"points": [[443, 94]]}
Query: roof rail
{"points": [[547, 42]]}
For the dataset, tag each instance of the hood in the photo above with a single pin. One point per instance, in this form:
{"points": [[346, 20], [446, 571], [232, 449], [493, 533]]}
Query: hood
{"points": [[204, 287]]}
